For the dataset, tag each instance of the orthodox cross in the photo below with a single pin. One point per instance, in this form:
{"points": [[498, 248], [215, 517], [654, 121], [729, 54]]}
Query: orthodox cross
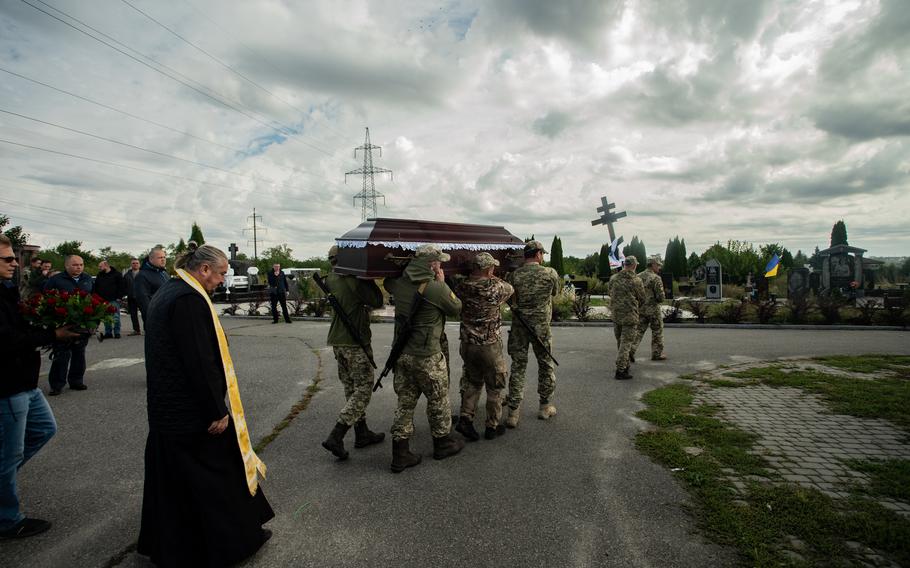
{"points": [[608, 218], [233, 250]]}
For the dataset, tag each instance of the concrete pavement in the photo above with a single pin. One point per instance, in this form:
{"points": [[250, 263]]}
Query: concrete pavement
{"points": [[569, 492]]}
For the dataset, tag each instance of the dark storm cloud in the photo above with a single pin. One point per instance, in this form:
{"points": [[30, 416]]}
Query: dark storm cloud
{"points": [[865, 119], [552, 124], [582, 23]]}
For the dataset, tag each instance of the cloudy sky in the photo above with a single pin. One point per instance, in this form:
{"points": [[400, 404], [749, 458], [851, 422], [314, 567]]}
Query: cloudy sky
{"points": [[123, 121]]}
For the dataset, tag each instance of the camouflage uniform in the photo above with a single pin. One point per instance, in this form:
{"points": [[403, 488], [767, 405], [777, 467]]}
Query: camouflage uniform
{"points": [[626, 294], [357, 297], [649, 314], [481, 344], [535, 286], [422, 369]]}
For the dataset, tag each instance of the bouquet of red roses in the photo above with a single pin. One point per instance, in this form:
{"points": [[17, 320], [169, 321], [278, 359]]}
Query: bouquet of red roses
{"points": [[56, 308]]}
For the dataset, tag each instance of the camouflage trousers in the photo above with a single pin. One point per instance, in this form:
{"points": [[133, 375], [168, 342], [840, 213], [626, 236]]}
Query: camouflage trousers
{"points": [[428, 376], [484, 366], [626, 336], [356, 376], [656, 323], [519, 339]]}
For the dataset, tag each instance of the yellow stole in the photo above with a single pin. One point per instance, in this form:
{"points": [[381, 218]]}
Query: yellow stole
{"points": [[251, 462]]}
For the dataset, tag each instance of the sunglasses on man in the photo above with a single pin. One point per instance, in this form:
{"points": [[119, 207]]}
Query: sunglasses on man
{"points": [[8, 259]]}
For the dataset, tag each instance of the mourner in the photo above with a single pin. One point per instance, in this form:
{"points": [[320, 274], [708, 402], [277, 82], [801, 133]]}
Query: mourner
{"points": [[481, 296], [356, 298], [422, 302], [535, 287], [626, 295], [68, 360], [202, 504], [151, 276], [649, 314], [26, 420], [278, 293]]}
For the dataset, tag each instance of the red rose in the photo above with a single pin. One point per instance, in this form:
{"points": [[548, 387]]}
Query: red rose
{"points": [[111, 309], [60, 311], [50, 300], [83, 293], [88, 310], [64, 295], [96, 300]]}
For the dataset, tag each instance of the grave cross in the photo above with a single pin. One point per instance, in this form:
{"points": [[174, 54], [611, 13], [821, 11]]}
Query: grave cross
{"points": [[233, 250], [608, 218]]}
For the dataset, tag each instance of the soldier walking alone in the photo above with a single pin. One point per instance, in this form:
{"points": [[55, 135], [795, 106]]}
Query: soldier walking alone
{"points": [[535, 287], [357, 297], [626, 295], [649, 313], [481, 346], [422, 302]]}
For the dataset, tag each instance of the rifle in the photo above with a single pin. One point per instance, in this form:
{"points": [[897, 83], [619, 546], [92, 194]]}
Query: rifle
{"points": [[521, 319], [348, 324], [404, 334]]}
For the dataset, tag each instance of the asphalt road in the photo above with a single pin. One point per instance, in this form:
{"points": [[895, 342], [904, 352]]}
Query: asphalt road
{"points": [[572, 491]]}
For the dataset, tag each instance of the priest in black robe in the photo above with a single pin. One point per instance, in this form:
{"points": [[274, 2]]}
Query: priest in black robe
{"points": [[197, 507]]}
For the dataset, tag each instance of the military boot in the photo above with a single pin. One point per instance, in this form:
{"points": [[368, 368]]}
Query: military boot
{"points": [[631, 357], [335, 442], [466, 428], [446, 446], [364, 437], [512, 418], [546, 411], [659, 357], [622, 375], [402, 457]]}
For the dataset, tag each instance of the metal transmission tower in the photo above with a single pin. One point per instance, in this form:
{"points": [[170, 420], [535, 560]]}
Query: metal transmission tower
{"points": [[368, 194], [255, 229]]}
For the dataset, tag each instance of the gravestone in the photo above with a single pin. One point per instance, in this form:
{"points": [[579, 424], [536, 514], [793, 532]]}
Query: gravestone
{"points": [[798, 283], [667, 279], [761, 287], [713, 280], [233, 250], [815, 281]]}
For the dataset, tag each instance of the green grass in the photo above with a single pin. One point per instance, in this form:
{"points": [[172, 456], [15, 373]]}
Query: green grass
{"points": [[888, 478], [899, 364], [759, 521], [887, 398]]}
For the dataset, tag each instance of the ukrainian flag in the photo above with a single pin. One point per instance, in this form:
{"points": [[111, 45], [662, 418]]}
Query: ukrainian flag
{"points": [[773, 265]]}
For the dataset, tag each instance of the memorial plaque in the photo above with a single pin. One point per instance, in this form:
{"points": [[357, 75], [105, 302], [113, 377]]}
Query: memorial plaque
{"points": [[713, 280], [382, 247], [667, 279], [798, 283]]}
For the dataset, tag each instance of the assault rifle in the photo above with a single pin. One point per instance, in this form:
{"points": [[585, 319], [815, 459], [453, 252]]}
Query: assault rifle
{"points": [[404, 334], [521, 319], [348, 324]]}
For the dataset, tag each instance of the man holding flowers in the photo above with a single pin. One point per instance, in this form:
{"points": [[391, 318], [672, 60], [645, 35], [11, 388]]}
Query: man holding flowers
{"points": [[68, 359], [26, 420]]}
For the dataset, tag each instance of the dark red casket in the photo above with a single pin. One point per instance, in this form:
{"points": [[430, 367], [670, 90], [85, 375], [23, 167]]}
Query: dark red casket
{"points": [[382, 247]]}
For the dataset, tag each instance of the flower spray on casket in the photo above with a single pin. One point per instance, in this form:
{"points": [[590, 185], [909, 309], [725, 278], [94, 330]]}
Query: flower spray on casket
{"points": [[81, 311]]}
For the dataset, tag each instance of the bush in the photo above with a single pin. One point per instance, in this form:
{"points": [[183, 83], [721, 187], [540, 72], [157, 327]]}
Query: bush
{"points": [[830, 305], [733, 312], [699, 310], [581, 306], [562, 307], [800, 307], [675, 313], [765, 310], [865, 312]]}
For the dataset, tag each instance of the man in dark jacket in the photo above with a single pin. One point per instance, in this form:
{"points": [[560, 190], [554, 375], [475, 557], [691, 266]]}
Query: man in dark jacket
{"points": [[131, 303], [26, 420], [278, 291], [109, 285], [151, 276], [69, 360]]}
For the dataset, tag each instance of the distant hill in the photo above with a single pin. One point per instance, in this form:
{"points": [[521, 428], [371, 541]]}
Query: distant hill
{"points": [[896, 260]]}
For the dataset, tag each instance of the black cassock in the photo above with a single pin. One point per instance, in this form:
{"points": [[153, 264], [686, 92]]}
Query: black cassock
{"points": [[196, 508]]}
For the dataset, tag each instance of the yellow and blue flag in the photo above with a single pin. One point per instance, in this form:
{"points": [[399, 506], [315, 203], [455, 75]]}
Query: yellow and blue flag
{"points": [[773, 265]]}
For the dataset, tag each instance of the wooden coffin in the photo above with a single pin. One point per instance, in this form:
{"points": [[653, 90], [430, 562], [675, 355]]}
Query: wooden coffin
{"points": [[381, 247]]}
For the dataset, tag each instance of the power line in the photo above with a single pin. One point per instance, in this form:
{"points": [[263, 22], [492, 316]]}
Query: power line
{"points": [[254, 217], [289, 131], [150, 151], [368, 194]]}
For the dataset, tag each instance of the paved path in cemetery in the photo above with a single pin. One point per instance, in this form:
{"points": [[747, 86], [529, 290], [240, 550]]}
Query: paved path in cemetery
{"points": [[569, 492]]}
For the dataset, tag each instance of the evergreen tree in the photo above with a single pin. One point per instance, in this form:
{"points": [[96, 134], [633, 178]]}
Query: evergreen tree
{"points": [[693, 263], [603, 263], [839, 233], [670, 257], [786, 260], [681, 266], [180, 248], [196, 234], [16, 234], [556, 260], [637, 249], [800, 259]]}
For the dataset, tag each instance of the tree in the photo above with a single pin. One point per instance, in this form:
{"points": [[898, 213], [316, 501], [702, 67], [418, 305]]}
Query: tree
{"points": [[280, 254], [556, 260], [15, 234], [118, 260], [693, 263], [905, 267], [180, 248], [603, 263], [637, 248], [800, 260], [839, 233], [196, 235]]}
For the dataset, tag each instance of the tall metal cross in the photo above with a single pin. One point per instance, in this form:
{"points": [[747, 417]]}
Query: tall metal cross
{"points": [[233, 250], [608, 218]]}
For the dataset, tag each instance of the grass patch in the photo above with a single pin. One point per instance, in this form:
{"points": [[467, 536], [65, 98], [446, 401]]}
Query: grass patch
{"points": [[729, 383], [760, 521], [869, 363], [887, 398], [888, 478]]}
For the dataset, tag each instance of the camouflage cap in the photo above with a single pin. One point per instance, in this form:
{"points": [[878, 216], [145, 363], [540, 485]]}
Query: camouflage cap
{"points": [[655, 261], [630, 261], [432, 252], [333, 252], [485, 260], [532, 245]]}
